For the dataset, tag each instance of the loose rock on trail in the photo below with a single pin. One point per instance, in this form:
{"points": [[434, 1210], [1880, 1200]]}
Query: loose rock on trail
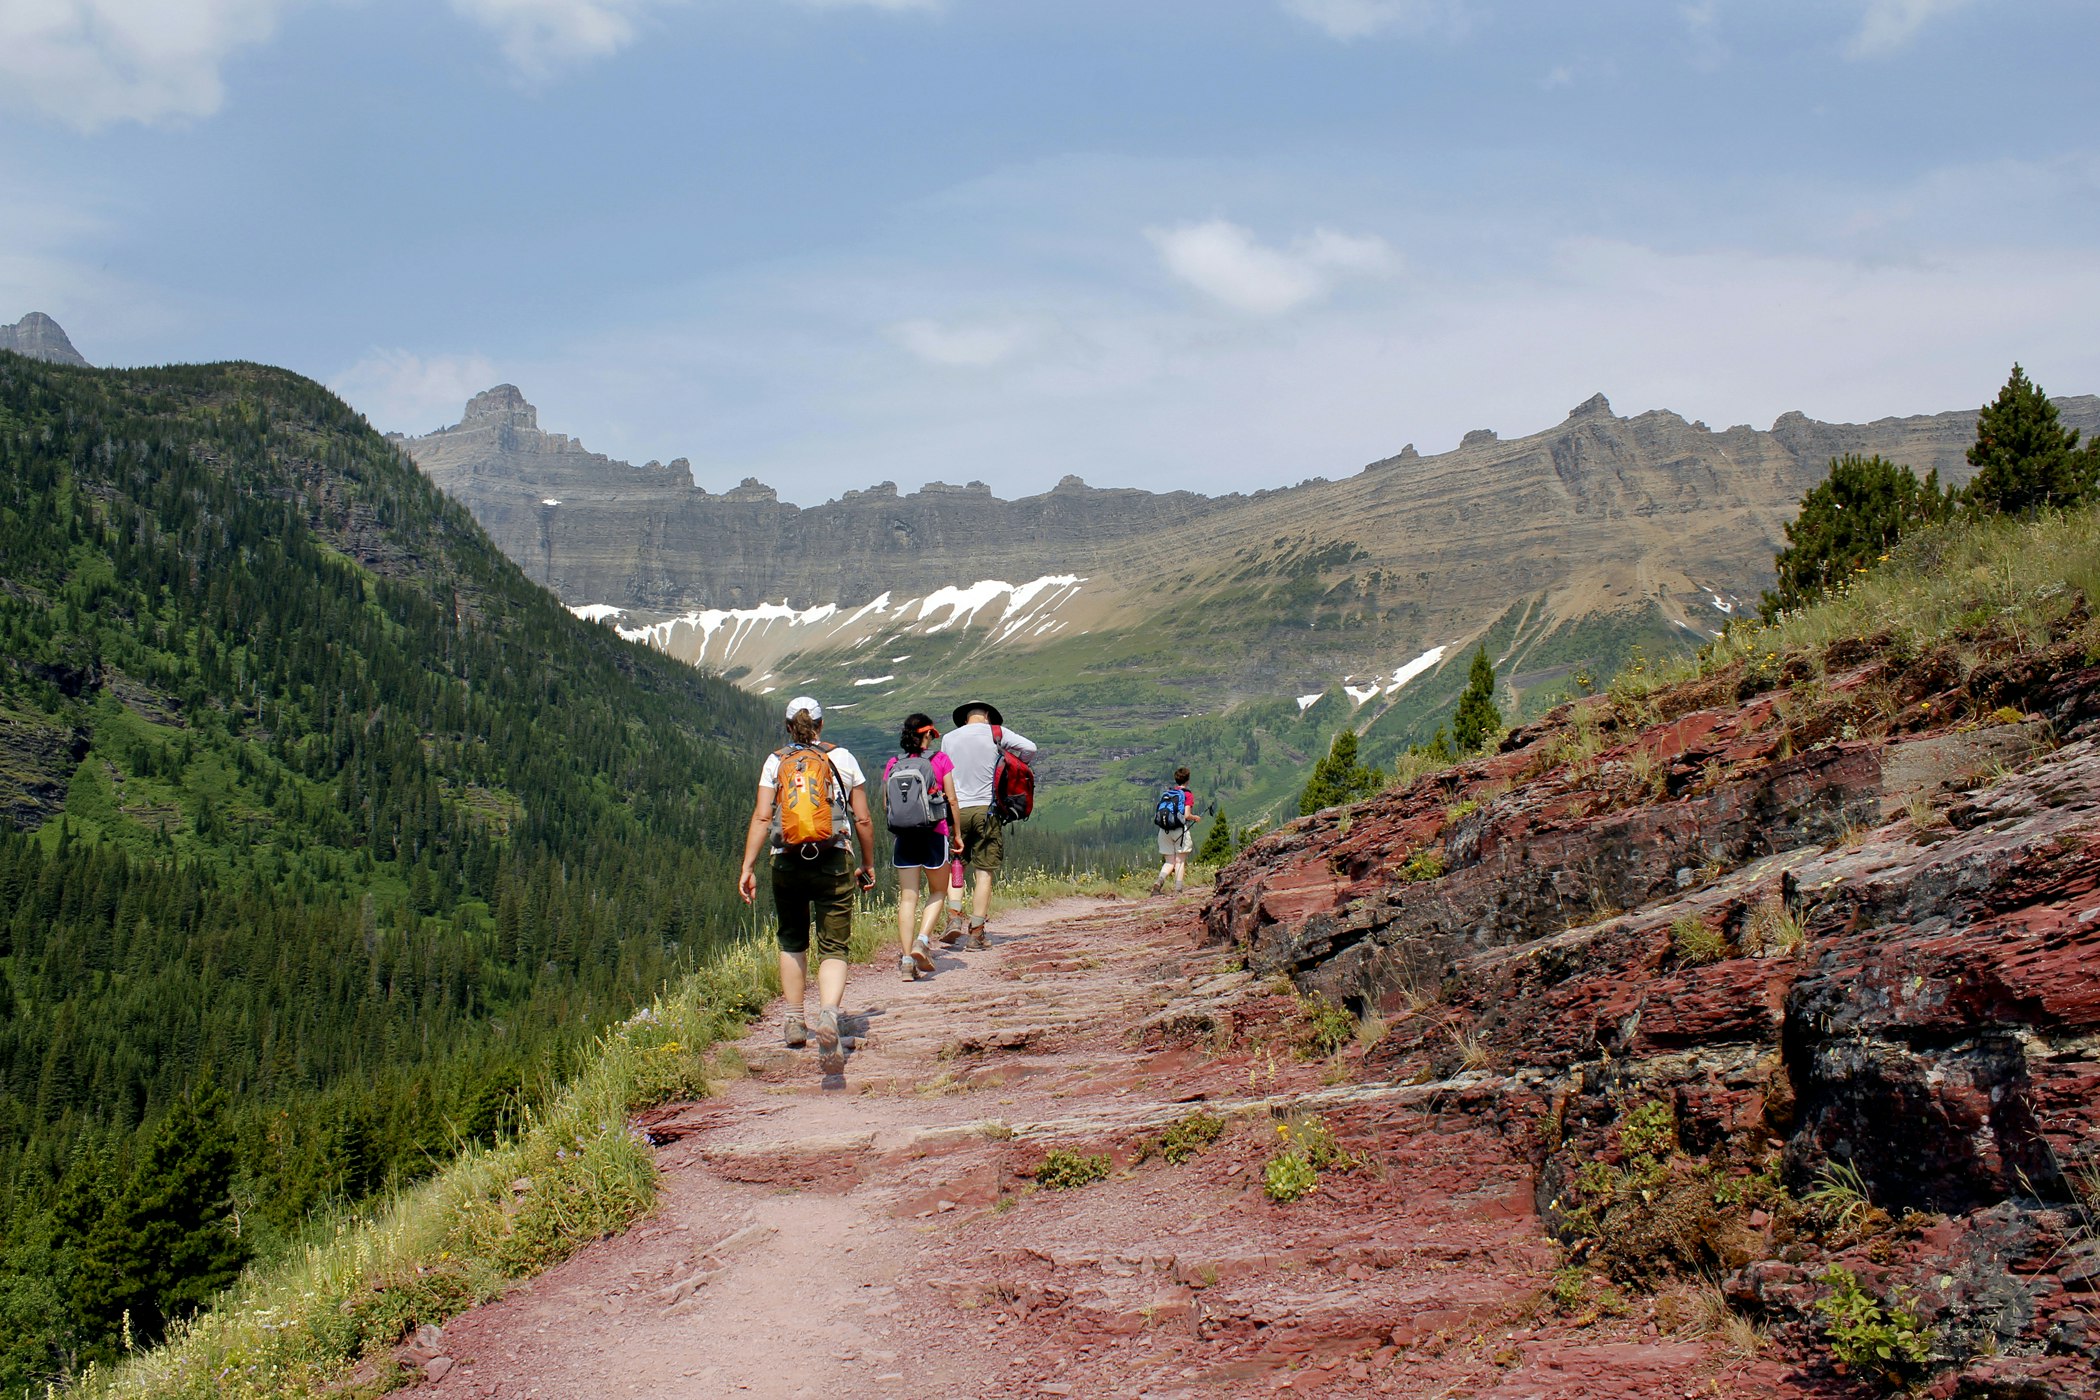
{"points": [[878, 1231]]}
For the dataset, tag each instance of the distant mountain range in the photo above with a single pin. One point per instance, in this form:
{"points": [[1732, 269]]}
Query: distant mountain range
{"points": [[40, 338], [1121, 610]]}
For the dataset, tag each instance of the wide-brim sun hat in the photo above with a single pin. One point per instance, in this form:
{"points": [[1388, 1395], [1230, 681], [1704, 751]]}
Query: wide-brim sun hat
{"points": [[962, 712], [804, 702]]}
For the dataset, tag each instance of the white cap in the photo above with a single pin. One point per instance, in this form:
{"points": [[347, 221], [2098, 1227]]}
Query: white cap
{"points": [[803, 702]]}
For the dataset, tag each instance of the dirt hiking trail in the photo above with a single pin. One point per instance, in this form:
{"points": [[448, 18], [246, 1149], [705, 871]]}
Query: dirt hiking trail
{"points": [[878, 1232]]}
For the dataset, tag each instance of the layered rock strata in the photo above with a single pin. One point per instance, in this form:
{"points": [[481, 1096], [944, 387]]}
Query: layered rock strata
{"points": [[1600, 505], [1777, 930]]}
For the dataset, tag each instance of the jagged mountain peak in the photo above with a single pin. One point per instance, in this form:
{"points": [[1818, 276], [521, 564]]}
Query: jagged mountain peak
{"points": [[505, 403], [41, 338]]}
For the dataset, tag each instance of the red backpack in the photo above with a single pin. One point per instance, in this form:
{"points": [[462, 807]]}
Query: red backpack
{"points": [[1013, 783]]}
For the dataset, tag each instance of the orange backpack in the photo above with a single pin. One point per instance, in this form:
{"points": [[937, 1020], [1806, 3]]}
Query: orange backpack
{"points": [[808, 812]]}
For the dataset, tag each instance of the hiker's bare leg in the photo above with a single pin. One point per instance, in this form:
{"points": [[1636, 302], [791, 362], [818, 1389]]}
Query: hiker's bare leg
{"points": [[794, 979], [1181, 870], [907, 907], [981, 902], [931, 919], [831, 982]]}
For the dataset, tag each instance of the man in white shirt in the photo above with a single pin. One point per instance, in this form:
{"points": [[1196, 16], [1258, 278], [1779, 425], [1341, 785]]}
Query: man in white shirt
{"points": [[973, 746]]}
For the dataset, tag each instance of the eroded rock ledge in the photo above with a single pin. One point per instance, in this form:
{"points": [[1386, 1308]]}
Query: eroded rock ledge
{"points": [[1839, 916]]}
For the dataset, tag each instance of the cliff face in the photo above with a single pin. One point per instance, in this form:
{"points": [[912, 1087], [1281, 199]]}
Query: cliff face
{"points": [[1693, 954], [40, 338], [1598, 495], [599, 531]]}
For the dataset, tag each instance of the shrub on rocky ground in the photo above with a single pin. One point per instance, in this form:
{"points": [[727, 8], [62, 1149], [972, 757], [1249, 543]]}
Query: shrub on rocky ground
{"points": [[1885, 1340], [1185, 1138], [1306, 1147], [1327, 1027], [1064, 1170]]}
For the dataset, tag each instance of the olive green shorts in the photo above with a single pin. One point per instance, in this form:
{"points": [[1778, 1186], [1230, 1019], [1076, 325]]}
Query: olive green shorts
{"points": [[984, 840], [818, 892]]}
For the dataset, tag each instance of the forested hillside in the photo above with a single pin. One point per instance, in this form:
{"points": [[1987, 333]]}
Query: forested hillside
{"points": [[325, 836]]}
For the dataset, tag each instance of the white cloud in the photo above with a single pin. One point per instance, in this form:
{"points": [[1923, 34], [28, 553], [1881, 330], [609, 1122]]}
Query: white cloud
{"points": [[542, 37], [1225, 261], [539, 37], [1359, 19], [960, 346], [401, 391], [1890, 24], [93, 62]]}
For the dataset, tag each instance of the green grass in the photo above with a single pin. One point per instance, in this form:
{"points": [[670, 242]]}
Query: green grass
{"points": [[575, 1172], [2021, 579], [294, 1327]]}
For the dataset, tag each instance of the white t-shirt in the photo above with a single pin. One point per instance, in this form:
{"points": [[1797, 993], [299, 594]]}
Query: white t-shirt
{"points": [[850, 777], [970, 748]]}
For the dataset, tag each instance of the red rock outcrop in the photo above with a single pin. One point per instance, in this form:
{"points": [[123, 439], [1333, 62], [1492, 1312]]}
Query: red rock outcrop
{"points": [[1702, 954]]}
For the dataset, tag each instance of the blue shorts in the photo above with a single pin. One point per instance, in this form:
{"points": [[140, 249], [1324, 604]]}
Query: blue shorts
{"points": [[920, 850]]}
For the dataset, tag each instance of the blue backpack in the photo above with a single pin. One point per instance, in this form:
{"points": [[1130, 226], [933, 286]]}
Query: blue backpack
{"points": [[1172, 813]]}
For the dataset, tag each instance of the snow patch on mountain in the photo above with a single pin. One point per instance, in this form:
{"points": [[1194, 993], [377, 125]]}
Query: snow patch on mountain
{"points": [[1402, 675], [723, 638]]}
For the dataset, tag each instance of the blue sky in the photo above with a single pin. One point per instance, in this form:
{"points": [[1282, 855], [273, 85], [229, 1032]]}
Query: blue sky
{"points": [[1204, 244]]}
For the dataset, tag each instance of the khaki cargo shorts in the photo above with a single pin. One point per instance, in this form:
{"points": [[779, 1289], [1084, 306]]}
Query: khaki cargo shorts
{"points": [[984, 840]]}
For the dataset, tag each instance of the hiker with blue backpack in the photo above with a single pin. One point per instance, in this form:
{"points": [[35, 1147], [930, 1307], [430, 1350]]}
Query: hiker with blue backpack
{"points": [[918, 794], [1175, 815]]}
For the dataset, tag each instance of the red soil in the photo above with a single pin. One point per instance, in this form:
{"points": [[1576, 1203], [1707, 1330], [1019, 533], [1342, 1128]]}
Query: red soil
{"points": [[878, 1232]]}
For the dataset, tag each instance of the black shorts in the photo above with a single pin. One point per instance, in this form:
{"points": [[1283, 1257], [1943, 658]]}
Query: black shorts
{"points": [[815, 893], [919, 850]]}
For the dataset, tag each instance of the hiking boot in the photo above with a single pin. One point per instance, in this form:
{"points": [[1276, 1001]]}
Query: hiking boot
{"points": [[793, 1031], [922, 953], [953, 934], [827, 1031], [908, 968], [1157, 885], [980, 936]]}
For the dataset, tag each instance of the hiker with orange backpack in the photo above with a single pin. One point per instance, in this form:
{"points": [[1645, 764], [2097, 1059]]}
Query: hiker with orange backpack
{"points": [[993, 786], [809, 794]]}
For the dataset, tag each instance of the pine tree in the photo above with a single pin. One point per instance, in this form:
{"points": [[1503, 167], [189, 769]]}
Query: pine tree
{"points": [[164, 1246], [1339, 777], [1847, 523], [2025, 459], [1477, 719], [1217, 843]]}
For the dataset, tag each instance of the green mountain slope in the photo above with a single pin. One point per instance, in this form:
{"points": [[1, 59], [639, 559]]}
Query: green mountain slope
{"points": [[315, 799]]}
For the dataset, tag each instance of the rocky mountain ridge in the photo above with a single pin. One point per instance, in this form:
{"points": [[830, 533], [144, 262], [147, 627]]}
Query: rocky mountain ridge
{"points": [[41, 338], [600, 531]]}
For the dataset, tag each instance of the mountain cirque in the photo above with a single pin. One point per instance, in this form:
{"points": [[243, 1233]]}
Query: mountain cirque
{"points": [[1597, 517], [40, 338]]}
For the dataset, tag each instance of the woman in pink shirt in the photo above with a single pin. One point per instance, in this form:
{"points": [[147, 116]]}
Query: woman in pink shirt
{"points": [[921, 850]]}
